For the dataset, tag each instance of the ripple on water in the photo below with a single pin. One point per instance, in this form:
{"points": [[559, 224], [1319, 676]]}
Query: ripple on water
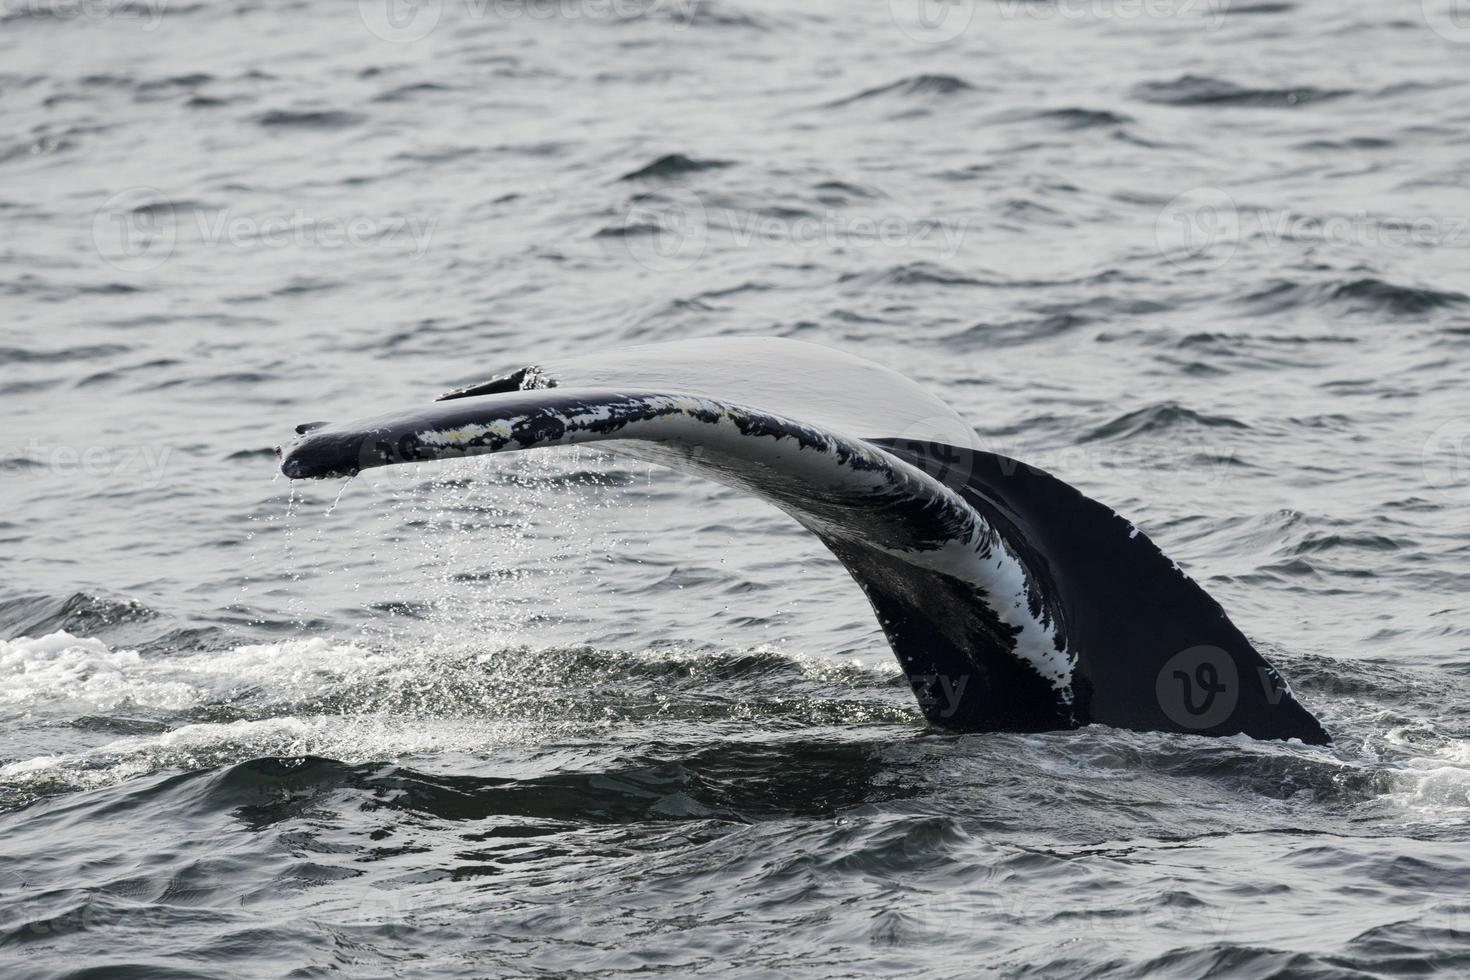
{"points": [[1204, 90], [620, 722]]}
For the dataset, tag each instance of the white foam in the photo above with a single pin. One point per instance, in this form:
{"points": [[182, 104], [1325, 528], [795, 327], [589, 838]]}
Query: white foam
{"points": [[1430, 781], [283, 685], [1436, 786], [350, 739], [60, 666], [86, 672], [315, 696]]}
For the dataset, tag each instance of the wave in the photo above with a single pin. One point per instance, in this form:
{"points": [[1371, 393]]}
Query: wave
{"points": [[84, 352], [358, 701], [1161, 417], [1073, 117], [320, 674], [404, 93], [809, 761], [1015, 332], [1367, 295], [1320, 542], [1203, 90], [674, 165], [909, 87], [919, 274], [78, 611], [1349, 143], [1259, 8], [322, 119]]}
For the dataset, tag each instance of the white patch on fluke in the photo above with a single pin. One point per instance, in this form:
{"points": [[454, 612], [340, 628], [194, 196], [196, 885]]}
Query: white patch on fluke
{"points": [[818, 466], [466, 434], [1002, 578]]}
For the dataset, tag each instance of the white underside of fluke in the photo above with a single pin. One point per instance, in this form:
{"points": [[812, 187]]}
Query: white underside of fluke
{"points": [[832, 483]]}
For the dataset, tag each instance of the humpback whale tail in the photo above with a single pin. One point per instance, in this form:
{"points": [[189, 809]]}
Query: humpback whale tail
{"points": [[1012, 601]]}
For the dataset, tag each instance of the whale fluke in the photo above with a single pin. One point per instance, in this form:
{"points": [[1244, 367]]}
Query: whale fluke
{"points": [[1012, 601]]}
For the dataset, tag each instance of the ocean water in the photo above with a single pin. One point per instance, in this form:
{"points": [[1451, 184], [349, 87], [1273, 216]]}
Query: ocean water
{"points": [[564, 715]]}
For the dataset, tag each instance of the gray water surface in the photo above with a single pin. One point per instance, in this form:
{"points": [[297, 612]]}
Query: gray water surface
{"points": [[566, 715]]}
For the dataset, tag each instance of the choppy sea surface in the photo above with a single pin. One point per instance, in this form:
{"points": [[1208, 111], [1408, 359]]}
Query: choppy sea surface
{"points": [[566, 715]]}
